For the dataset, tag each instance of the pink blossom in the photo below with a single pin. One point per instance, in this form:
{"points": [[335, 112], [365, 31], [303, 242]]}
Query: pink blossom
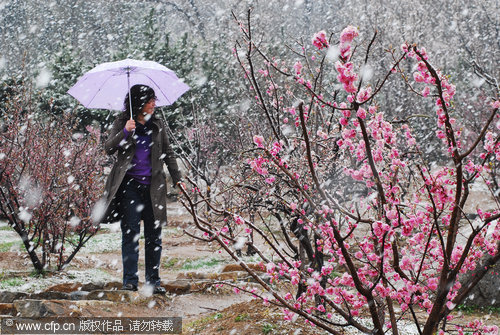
{"points": [[450, 305], [277, 146], [259, 140], [270, 180], [357, 175], [346, 113], [364, 94], [432, 283], [426, 91], [345, 51], [322, 134], [270, 268], [348, 34], [419, 78], [238, 220], [361, 113], [319, 40], [392, 214], [257, 164], [298, 67]]}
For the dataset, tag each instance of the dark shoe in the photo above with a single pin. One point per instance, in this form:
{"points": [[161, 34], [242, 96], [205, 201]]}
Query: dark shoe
{"points": [[159, 290], [129, 287]]}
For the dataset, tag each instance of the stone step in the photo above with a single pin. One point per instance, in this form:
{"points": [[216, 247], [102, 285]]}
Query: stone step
{"points": [[233, 275], [185, 286], [32, 308], [7, 309], [79, 295], [50, 295], [237, 267], [9, 297], [115, 295], [89, 287], [72, 287]]}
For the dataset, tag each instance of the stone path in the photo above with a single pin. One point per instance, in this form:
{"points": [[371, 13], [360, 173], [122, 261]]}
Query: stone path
{"points": [[190, 293]]}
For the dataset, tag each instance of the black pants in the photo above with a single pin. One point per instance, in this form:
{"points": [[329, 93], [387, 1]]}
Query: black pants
{"points": [[135, 204]]}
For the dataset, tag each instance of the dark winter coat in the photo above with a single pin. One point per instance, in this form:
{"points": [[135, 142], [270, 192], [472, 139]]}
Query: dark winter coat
{"points": [[161, 152]]}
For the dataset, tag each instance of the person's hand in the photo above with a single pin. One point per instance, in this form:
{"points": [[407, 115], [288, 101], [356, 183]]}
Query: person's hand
{"points": [[130, 125]]}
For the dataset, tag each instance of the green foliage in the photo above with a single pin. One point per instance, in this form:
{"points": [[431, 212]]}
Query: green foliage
{"points": [[201, 263], [7, 90], [170, 262], [11, 282], [241, 317], [200, 324], [7, 246], [472, 309], [267, 328], [39, 274], [65, 67]]}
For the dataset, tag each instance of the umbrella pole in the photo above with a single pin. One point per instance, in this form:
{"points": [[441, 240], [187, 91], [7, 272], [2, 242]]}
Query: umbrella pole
{"points": [[129, 95]]}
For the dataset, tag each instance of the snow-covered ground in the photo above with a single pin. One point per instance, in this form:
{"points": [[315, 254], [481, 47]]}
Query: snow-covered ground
{"points": [[32, 284]]}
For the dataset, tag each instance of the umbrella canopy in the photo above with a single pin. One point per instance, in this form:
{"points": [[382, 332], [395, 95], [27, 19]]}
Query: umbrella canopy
{"points": [[106, 85]]}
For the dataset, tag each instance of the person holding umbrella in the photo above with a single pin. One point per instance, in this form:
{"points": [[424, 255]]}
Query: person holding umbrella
{"points": [[137, 183], [136, 186]]}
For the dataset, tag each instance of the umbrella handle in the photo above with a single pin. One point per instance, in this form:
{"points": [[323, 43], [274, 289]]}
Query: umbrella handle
{"points": [[129, 95]]}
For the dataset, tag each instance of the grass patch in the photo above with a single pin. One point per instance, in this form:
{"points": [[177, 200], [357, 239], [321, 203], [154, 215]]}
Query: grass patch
{"points": [[335, 274], [200, 324], [171, 231], [171, 262], [39, 274], [102, 243], [6, 228], [201, 263], [11, 282], [242, 317], [7, 246], [267, 328], [471, 309]]}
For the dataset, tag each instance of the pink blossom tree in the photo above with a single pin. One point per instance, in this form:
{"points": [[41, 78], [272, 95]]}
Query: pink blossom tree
{"points": [[50, 177], [338, 200]]}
